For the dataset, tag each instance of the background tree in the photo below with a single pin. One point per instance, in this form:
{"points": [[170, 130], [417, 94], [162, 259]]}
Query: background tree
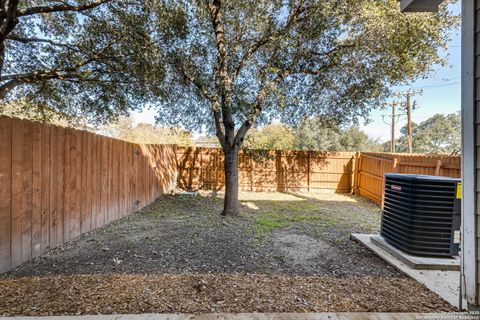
{"points": [[311, 134], [271, 137], [22, 109], [125, 129], [439, 134], [74, 56], [234, 64]]}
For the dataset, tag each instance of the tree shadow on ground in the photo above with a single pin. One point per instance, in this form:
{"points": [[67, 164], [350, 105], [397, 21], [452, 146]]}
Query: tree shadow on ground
{"points": [[294, 234]]}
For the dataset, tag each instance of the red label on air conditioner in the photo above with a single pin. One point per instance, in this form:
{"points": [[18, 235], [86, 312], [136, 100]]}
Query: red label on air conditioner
{"points": [[395, 187]]}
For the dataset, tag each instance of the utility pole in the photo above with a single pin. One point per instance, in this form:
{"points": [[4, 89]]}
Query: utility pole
{"points": [[394, 117], [392, 147], [409, 109]]}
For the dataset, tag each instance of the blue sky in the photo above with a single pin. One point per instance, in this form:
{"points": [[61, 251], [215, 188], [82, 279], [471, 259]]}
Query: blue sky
{"points": [[441, 92]]}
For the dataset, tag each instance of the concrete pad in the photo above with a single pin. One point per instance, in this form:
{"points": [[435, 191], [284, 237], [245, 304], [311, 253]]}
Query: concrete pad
{"points": [[254, 316], [420, 263], [444, 283]]}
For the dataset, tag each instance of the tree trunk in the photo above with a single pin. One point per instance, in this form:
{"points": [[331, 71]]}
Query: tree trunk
{"points": [[2, 56], [230, 205]]}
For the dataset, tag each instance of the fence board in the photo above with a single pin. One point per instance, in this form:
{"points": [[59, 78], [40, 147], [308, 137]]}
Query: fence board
{"points": [[17, 191], [37, 187], [85, 207], [27, 191], [67, 185], [5, 192], [104, 174], [53, 187], [59, 223], [45, 183], [373, 166]]}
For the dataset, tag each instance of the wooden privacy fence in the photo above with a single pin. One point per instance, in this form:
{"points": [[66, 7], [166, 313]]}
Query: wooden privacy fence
{"points": [[58, 183], [371, 168], [311, 171]]}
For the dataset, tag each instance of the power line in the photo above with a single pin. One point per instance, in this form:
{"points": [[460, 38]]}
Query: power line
{"points": [[440, 85]]}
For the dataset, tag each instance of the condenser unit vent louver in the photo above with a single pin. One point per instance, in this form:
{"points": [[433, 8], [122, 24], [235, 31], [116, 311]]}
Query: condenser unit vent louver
{"points": [[421, 214]]}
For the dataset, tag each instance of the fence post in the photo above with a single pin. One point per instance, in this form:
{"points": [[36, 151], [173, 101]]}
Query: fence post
{"points": [[354, 173], [356, 184], [251, 171], [308, 171], [396, 167], [437, 167]]}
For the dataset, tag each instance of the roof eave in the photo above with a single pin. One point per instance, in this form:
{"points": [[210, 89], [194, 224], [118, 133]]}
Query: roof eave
{"points": [[419, 5]]}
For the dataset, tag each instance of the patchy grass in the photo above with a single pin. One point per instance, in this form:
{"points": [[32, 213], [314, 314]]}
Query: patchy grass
{"points": [[293, 233], [323, 215], [269, 221]]}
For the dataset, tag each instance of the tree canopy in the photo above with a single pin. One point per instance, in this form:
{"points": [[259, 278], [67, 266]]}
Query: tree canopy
{"points": [[224, 66], [310, 135], [76, 58], [275, 59], [439, 134], [271, 137], [125, 128]]}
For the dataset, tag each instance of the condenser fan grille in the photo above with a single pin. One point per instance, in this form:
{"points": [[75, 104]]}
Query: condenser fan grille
{"points": [[421, 214]]}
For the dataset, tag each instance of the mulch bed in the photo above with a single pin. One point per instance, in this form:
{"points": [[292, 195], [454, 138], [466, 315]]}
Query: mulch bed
{"points": [[196, 293]]}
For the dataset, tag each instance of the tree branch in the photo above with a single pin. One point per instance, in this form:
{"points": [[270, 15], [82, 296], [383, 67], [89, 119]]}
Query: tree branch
{"points": [[59, 8], [257, 105], [220, 133], [39, 40], [7, 87], [9, 19], [292, 18]]}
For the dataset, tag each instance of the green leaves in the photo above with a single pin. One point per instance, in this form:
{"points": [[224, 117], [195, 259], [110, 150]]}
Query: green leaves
{"points": [[310, 134], [336, 59], [84, 64], [439, 134]]}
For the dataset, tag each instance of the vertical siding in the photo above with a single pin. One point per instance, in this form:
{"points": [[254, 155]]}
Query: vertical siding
{"points": [[477, 134]]}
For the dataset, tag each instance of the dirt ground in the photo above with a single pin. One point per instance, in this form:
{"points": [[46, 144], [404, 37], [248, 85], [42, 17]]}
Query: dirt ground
{"points": [[295, 240]]}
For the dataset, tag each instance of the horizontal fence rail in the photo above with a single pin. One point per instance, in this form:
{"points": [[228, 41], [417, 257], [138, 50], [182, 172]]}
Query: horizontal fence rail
{"points": [[58, 183]]}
